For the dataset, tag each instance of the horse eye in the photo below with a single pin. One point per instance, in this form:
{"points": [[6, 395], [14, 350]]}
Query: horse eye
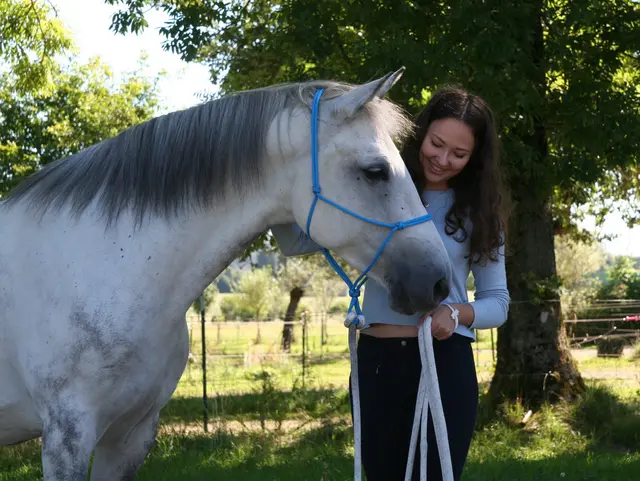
{"points": [[376, 174]]}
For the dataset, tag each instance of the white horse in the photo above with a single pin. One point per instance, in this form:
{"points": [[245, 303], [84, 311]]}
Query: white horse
{"points": [[102, 253]]}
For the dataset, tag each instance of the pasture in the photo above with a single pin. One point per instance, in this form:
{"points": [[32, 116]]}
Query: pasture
{"points": [[275, 416]]}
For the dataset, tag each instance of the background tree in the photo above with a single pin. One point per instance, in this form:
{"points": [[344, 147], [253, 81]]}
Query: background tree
{"points": [[577, 263], [30, 39], [260, 291], [295, 277], [299, 275], [622, 280], [561, 76], [50, 107]]}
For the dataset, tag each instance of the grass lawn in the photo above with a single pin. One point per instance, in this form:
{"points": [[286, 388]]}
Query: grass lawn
{"points": [[306, 435], [270, 419]]}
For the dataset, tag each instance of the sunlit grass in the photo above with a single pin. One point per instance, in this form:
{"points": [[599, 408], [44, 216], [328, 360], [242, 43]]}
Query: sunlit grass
{"points": [[271, 418], [597, 438]]}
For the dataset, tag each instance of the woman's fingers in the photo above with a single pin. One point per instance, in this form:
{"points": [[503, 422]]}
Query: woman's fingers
{"points": [[437, 331], [440, 332]]}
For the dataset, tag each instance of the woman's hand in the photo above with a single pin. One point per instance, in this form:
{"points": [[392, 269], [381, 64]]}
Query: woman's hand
{"points": [[442, 325]]}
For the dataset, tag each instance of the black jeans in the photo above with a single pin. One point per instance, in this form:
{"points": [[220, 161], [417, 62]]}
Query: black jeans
{"points": [[389, 371]]}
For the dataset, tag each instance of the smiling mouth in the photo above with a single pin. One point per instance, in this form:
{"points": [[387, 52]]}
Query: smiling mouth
{"points": [[435, 169]]}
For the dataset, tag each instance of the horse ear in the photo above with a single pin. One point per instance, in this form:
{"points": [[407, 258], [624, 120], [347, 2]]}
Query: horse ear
{"points": [[347, 105]]}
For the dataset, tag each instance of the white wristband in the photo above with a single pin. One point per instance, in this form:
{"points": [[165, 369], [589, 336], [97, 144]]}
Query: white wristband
{"points": [[454, 315]]}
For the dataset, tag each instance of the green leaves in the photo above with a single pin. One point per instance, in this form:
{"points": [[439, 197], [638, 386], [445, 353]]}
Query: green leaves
{"points": [[84, 108], [562, 77], [566, 73], [30, 38], [50, 110]]}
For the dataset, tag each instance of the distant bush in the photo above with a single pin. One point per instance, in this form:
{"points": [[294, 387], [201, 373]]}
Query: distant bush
{"points": [[234, 307], [302, 308], [339, 307]]}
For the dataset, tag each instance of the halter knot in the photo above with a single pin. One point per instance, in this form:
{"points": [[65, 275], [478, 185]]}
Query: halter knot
{"points": [[316, 189], [357, 320], [354, 292]]}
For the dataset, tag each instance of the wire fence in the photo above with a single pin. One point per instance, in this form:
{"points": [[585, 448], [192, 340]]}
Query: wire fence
{"points": [[243, 357]]}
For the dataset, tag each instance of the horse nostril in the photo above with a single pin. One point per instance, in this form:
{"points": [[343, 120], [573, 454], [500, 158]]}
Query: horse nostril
{"points": [[441, 290]]}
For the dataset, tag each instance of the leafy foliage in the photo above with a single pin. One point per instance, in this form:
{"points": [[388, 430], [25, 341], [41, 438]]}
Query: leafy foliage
{"points": [[622, 282], [260, 291], [207, 300], [577, 264], [50, 110], [296, 272], [580, 83], [30, 38]]}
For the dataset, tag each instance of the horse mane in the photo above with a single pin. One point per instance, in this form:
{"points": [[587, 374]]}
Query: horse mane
{"points": [[184, 159]]}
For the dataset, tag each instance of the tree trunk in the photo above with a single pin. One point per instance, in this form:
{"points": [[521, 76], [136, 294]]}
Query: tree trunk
{"points": [[287, 331], [534, 362], [258, 334], [323, 330]]}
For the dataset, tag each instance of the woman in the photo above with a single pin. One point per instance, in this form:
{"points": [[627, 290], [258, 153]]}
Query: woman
{"points": [[453, 160]]}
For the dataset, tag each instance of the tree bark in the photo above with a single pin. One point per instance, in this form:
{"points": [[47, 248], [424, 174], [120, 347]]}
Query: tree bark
{"points": [[287, 331], [534, 363]]}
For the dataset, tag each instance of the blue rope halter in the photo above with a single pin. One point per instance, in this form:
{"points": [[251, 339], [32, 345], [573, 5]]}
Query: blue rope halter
{"points": [[354, 287]]}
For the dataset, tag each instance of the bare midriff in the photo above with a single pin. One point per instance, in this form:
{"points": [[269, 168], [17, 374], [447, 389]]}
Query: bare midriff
{"points": [[391, 330]]}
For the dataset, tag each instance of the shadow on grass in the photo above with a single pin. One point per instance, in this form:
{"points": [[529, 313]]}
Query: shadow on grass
{"points": [[581, 466], [323, 453], [595, 439], [320, 454], [330, 361], [21, 462], [269, 404], [607, 420], [599, 415]]}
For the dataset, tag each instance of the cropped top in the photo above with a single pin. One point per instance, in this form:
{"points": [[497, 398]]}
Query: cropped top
{"points": [[491, 300]]}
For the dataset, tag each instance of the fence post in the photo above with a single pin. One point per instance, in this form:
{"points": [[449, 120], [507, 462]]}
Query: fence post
{"points": [[304, 348], [493, 351], [205, 413]]}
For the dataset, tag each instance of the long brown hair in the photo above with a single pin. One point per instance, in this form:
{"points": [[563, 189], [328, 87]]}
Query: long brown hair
{"points": [[478, 188]]}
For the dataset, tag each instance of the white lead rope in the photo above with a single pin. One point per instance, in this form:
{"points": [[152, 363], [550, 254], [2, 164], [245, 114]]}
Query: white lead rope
{"points": [[355, 391], [428, 396], [428, 400]]}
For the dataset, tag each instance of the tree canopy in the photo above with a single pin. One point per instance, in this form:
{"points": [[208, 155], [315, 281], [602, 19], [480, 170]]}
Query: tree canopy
{"points": [[51, 105], [572, 67]]}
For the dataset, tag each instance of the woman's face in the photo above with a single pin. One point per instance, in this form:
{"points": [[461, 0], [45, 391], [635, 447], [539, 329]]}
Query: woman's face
{"points": [[445, 151]]}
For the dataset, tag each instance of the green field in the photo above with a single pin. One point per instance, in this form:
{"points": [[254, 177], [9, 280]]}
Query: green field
{"points": [[270, 419], [305, 435]]}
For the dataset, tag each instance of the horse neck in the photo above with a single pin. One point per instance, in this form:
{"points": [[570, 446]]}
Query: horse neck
{"points": [[204, 244]]}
